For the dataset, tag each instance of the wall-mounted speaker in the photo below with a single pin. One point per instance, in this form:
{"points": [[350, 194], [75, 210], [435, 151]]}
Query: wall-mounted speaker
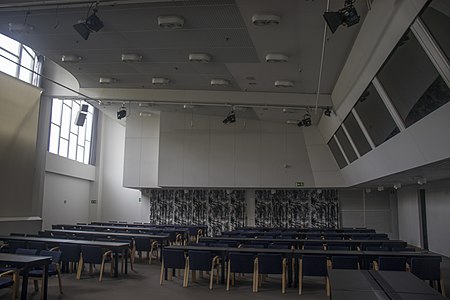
{"points": [[81, 118]]}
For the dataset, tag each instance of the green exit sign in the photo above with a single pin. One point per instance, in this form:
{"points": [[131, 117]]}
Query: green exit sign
{"points": [[299, 183]]}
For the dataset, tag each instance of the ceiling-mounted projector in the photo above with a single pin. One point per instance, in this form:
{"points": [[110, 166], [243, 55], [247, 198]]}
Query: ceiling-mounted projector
{"points": [[265, 19], [170, 22], [219, 82], [160, 80], [276, 58], [283, 83], [199, 57]]}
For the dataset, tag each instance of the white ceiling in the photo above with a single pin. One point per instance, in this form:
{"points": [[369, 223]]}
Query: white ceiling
{"points": [[221, 28]]}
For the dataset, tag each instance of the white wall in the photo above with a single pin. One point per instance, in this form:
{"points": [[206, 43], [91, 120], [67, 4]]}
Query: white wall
{"points": [[117, 202], [200, 151], [408, 216], [438, 211]]}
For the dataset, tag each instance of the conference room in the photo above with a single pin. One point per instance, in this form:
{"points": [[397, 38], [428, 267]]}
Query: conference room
{"points": [[224, 148]]}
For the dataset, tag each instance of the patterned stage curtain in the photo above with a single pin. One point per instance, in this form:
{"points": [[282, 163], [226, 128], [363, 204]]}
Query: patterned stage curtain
{"points": [[296, 208], [220, 210]]}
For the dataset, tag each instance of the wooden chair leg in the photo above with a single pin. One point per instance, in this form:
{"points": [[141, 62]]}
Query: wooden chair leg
{"points": [[283, 277], [58, 269], [255, 276], [211, 275], [228, 276], [80, 267], [441, 282], [300, 278], [186, 273], [194, 276], [102, 267], [327, 286], [162, 273]]}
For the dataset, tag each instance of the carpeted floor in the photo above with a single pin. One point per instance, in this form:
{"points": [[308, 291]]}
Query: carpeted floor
{"points": [[144, 284]]}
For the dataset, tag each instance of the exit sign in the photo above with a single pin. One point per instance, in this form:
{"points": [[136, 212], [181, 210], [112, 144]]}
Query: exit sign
{"points": [[299, 183]]}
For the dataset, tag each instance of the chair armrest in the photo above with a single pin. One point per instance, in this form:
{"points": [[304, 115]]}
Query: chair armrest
{"points": [[10, 272], [54, 249], [107, 253]]}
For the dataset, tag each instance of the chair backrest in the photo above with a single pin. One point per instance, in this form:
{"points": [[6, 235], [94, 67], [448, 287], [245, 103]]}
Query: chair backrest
{"points": [[392, 245], [69, 252], [200, 260], [314, 265], [174, 258], [92, 254], [313, 247], [345, 262], [241, 262], [142, 244], [340, 247], [279, 246], [386, 263], [252, 246], [377, 249], [364, 246], [200, 244], [426, 268], [14, 245], [37, 246], [23, 251], [313, 243], [55, 255], [332, 237], [269, 263], [405, 249]]}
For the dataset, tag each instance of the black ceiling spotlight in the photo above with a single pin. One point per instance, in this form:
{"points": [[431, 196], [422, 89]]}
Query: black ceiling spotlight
{"points": [[327, 112], [122, 113], [346, 16], [91, 24], [231, 118]]}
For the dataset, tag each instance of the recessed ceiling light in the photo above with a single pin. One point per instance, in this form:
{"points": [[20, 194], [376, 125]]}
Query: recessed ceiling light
{"points": [[71, 58], [276, 58], [20, 28], [289, 111], [131, 57], [265, 19], [160, 80], [220, 82], [188, 106], [199, 57], [144, 114], [170, 22], [107, 80], [292, 122], [283, 83]]}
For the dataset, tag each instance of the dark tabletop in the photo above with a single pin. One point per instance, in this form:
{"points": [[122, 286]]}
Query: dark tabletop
{"points": [[110, 245], [402, 282], [8, 258], [102, 233]]}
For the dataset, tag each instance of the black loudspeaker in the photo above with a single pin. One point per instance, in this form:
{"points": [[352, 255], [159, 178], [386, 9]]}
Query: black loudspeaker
{"points": [[81, 117]]}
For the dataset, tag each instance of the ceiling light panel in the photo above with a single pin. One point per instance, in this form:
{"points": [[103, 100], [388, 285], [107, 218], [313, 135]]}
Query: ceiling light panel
{"points": [[71, 58], [220, 82], [283, 84], [131, 57], [107, 80], [160, 80], [265, 19], [199, 57], [276, 58], [170, 22]]}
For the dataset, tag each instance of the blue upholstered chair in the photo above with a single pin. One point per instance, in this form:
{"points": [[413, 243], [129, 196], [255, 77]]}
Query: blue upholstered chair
{"points": [[202, 261], [94, 255], [240, 263], [14, 245], [270, 264], [53, 270], [70, 255], [313, 265], [23, 251], [428, 269], [377, 248], [143, 245], [386, 263], [345, 262], [36, 245], [392, 245], [9, 279], [173, 259], [338, 247], [312, 247]]}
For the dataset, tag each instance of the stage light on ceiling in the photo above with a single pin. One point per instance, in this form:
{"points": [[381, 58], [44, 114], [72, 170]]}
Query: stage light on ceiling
{"points": [[71, 58], [380, 188], [346, 16], [231, 118], [397, 185], [91, 24], [327, 111], [421, 181], [306, 120], [122, 112]]}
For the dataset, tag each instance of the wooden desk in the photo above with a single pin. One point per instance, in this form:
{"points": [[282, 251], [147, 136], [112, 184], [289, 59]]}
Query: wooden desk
{"points": [[161, 238], [27, 262], [113, 246]]}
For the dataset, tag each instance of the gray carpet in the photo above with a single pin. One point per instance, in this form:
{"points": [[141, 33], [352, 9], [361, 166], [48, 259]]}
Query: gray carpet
{"points": [[144, 284]]}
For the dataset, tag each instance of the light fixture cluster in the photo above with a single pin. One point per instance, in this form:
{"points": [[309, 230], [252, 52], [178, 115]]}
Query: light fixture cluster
{"points": [[231, 118], [306, 121], [347, 16], [122, 112]]}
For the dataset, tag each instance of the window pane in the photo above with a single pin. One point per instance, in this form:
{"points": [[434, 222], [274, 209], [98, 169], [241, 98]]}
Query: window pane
{"points": [[27, 61], [345, 144], [80, 154], [72, 146], [63, 146], [437, 19], [75, 109], [9, 44], [375, 116], [7, 66], [54, 138], [65, 124], [87, 152], [415, 89], [337, 153], [81, 134], [68, 102], [357, 134], [56, 111], [88, 124]]}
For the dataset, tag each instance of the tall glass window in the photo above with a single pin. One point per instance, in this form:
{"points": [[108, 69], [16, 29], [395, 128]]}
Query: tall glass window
{"points": [[436, 18], [66, 138], [13, 53], [357, 135], [412, 82], [375, 116], [337, 153], [346, 145]]}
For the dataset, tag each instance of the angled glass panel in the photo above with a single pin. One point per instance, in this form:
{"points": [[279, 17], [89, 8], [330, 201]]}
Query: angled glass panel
{"points": [[436, 18], [63, 147], [9, 44], [337, 153], [65, 121], [412, 82], [56, 111], [54, 139], [357, 134], [375, 116], [72, 146], [7, 66], [345, 144]]}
